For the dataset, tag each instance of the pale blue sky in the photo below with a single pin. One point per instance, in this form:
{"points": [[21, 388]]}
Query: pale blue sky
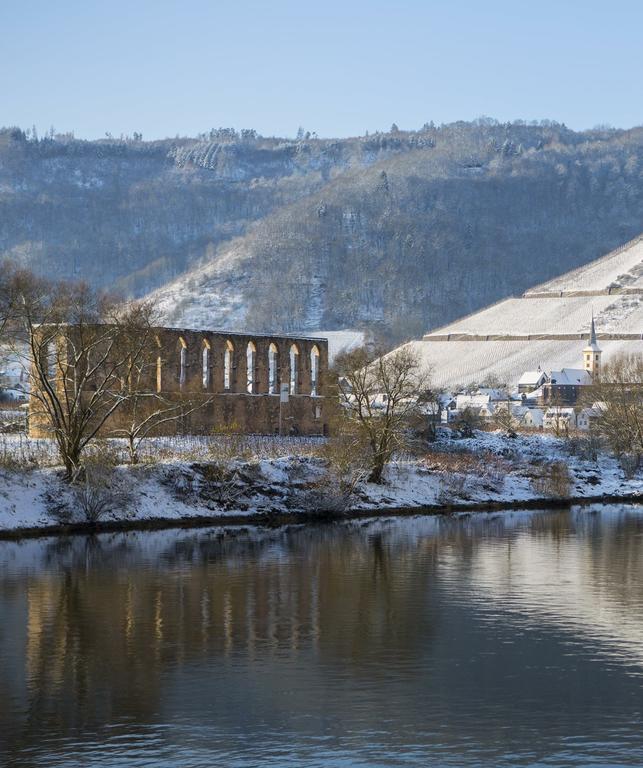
{"points": [[338, 68]]}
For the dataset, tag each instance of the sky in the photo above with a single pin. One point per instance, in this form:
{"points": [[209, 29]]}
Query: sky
{"points": [[336, 68]]}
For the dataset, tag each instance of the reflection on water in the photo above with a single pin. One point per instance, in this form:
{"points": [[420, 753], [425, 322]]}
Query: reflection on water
{"points": [[507, 640]]}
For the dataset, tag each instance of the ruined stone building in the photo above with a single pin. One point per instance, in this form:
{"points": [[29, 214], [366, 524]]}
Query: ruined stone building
{"points": [[230, 382]]}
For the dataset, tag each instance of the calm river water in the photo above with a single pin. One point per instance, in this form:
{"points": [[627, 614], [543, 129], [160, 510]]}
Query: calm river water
{"points": [[494, 640]]}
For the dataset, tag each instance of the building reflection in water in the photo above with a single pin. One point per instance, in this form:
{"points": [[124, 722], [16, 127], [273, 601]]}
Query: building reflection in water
{"points": [[117, 629]]}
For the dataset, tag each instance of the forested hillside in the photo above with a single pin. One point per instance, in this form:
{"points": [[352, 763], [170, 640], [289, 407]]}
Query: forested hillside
{"points": [[396, 232]]}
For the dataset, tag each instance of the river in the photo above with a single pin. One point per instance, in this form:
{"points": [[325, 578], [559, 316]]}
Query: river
{"points": [[505, 639]]}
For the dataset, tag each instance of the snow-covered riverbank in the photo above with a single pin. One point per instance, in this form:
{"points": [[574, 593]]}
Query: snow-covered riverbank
{"points": [[488, 469]]}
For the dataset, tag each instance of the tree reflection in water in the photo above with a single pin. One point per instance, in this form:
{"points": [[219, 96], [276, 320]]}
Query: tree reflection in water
{"points": [[361, 627]]}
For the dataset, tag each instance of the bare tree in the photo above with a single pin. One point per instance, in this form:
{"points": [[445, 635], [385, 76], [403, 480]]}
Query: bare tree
{"points": [[7, 295], [79, 348], [148, 409], [380, 395], [348, 465], [559, 415], [146, 412], [619, 403], [503, 418], [467, 421], [7, 280]]}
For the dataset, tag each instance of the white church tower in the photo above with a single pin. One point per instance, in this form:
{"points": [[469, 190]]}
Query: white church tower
{"points": [[592, 354]]}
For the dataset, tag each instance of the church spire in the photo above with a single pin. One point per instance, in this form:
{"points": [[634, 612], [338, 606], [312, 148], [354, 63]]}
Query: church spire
{"points": [[592, 335]]}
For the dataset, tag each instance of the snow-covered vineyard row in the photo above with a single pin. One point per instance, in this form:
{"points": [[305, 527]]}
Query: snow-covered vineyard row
{"points": [[621, 314], [456, 364], [621, 268], [545, 327]]}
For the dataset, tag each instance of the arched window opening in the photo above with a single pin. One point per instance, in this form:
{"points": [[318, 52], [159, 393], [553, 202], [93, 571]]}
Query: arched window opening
{"points": [[251, 361], [159, 367], [227, 365], [273, 370], [314, 371], [183, 362], [294, 368], [205, 364], [52, 360]]}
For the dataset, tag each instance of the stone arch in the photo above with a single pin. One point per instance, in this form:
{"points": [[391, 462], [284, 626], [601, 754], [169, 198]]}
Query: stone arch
{"points": [[251, 367], [228, 357], [314, 371], [206, 362], [294, 368], [273, 369]]}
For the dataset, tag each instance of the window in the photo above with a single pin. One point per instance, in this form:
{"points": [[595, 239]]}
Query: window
{"points": [[205, 365], [52, 360], [159, 367], [183, 362], [273, 370], [294, 368], [227, 365], [314, 371], [251, 355]]}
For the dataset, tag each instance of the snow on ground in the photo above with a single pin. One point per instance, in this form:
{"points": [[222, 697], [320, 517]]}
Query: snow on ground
{"points": [[490, 467], [454, 364], [620, 268], [551, 317], [625, 315], [207, 298], [515, 317]]}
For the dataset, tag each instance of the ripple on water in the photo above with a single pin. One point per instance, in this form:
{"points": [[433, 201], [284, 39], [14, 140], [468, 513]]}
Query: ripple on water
{"points": [[512, 640]]}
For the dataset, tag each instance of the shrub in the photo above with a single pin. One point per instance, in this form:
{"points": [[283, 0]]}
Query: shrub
{"points": [[552, 480], [453, 486], [222, 483]]}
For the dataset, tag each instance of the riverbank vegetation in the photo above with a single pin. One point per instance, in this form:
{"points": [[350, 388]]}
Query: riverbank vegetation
{"points": [[232, 476], [618, 396]]}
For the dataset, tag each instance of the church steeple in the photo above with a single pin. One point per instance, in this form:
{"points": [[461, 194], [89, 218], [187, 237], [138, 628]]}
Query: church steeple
{"points": [[592, 354], [592, 335]]}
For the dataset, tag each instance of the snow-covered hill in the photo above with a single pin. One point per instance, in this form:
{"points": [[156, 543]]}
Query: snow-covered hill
{"points": [[547, 326]]}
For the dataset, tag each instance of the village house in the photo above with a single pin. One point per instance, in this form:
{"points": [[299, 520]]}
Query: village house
{"points": [[483, 396], [587, 417], [559, 419], [528, 418], [541, 400], [531, 380], [533, 418], [564, 387], [448, 409]]}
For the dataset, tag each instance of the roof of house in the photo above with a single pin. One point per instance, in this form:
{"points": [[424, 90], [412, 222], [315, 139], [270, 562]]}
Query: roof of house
{"points": [[531, 377], [570, 377], [474, 400], [596, 410], [535, 395]]}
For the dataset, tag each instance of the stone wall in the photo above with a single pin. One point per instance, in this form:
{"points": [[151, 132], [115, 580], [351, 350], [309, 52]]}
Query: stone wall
{"points": [[210, 373]]}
